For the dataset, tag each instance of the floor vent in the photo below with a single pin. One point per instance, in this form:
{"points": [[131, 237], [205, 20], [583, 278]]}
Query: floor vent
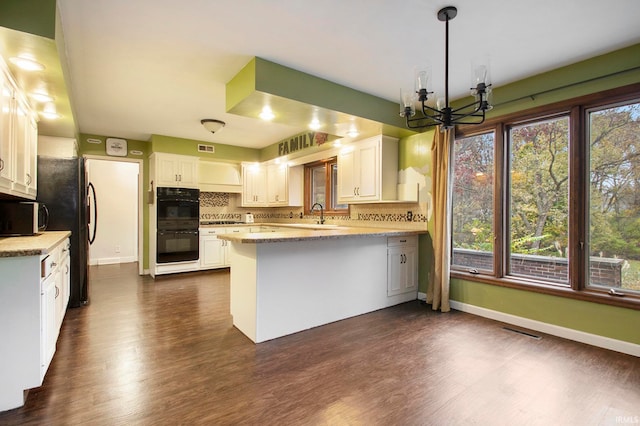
{"points": [[524, 333]]}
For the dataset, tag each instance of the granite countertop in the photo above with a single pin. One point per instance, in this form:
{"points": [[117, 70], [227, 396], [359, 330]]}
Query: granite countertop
{"points": [[301, 232], [31, 246]]}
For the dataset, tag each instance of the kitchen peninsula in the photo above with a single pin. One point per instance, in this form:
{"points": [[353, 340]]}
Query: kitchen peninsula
{"points": [[285, 282]]}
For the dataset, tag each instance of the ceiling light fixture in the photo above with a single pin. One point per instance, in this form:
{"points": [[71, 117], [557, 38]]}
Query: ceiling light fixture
{"points": [[315, 124], [26, 63], [353, 132], [49, 112], [267, 114], [41, 97], [443, 114], [212, 125]]}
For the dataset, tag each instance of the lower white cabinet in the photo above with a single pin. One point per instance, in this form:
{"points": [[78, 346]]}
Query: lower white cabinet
{"points": [[213, 251], [402, 265], [33, 300]]}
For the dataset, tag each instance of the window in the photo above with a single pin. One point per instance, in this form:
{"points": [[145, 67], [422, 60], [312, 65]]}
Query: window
{"points": [[321, 180], [539, 200], [614, 197], [549, 200], [472, 224]]}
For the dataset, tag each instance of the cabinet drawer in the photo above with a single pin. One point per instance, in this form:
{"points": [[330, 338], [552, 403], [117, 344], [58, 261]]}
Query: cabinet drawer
{"points": [[50, 262], [212, 231], [402, 241]]}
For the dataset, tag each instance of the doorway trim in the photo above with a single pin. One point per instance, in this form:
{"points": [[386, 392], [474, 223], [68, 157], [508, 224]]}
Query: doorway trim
{"points": [[140, 162]]}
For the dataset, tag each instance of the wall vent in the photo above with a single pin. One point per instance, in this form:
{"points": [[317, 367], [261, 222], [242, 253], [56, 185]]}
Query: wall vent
{"points": [[209, 149]]}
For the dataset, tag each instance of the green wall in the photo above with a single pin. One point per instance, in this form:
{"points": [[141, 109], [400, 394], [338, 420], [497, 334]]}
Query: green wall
{"points": [[182, 146], [608, 71], [30, 16]]}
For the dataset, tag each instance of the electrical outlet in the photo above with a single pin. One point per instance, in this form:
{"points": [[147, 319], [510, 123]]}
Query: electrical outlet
{"points": [[409, 216], [117, 249]]}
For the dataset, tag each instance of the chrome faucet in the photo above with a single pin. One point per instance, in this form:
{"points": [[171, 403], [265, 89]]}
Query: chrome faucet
{"points": [[321, 212]]}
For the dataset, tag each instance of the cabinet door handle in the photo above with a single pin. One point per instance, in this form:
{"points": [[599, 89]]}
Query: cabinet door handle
{"points": [[28, 179], [54, 264], [1, 164], [57, 292]]}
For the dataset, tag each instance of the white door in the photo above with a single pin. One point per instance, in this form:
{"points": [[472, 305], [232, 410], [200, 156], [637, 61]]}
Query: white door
{"points": [[116, 184]]}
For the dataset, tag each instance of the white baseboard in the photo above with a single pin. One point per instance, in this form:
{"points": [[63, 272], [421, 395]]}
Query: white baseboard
{"points": [[113, 260], [555, 330]]}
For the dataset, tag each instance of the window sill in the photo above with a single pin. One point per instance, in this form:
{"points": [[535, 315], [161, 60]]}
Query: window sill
{"points": [[630, 301]]}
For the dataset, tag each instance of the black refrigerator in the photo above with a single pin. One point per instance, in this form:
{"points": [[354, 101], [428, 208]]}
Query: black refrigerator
{"points": [[62, 187]]}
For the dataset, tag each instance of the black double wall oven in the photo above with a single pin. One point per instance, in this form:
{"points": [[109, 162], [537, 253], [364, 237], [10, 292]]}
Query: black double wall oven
{"points": [[178, 218]]}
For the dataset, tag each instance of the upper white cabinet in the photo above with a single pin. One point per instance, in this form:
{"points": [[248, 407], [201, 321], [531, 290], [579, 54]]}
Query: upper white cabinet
{"points": [[272, 185], [254, 185], [285, 185], [7, 115], [368, 171], [172, 170], [25, 149], [18, 140]]}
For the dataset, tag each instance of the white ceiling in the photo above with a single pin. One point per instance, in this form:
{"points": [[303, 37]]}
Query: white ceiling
{"points": [[142, 67]]}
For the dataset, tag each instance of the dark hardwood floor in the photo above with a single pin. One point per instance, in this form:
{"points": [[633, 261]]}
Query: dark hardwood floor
{"points": [[166, 353]]}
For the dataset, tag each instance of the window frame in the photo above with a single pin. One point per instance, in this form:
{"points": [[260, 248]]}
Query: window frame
{"points": [[327, 163], [577, 110]]}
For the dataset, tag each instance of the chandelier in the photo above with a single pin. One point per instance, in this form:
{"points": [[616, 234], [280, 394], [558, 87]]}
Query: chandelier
{"points": [[443, 114]]}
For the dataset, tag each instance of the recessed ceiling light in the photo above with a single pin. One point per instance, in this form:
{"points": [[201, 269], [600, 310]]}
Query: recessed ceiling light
{"points": [[41, 97], [49, 112], [267, 114], [26, 63], [315, 124], [353, 132], [50, 115]]}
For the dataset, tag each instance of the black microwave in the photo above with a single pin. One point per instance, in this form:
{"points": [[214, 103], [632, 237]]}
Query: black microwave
{"points": [[22, 218]]}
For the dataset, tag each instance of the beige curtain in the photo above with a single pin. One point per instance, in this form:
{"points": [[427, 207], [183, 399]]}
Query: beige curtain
{"points": [[438, 288]]}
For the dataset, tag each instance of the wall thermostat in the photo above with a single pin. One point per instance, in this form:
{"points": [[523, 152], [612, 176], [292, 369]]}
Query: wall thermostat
{"points": [[116, 147]]}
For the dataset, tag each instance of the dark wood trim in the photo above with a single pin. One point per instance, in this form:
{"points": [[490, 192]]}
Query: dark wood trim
{"points": [[327, 162], [576, 109]]}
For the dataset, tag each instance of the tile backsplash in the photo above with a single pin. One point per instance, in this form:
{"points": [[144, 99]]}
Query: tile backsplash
{"points": [[226, 206]]}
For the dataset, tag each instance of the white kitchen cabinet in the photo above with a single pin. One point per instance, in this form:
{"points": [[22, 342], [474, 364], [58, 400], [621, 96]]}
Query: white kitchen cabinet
{"points": [[64, 283], [18, 139], [7, 115], [368, 171], [254, 185], [49, 329], [213, 251], [402, 265], [272, 185], [172, 170], [277, 184], [30, 316], [285, 185], [25, 149]]}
